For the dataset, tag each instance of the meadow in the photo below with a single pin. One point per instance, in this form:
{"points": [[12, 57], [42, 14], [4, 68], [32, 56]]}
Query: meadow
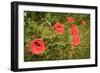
{"points": [[56, 36]]}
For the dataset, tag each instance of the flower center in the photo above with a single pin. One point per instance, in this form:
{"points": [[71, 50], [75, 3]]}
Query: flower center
{"points": [[37, 44], [59, 27]]}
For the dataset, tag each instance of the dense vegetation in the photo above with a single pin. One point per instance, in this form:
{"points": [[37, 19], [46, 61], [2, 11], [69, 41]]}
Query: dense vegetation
{"points": [[58, 46]]}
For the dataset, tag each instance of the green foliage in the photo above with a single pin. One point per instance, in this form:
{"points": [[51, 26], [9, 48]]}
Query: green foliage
{"points": [[58, 47]]}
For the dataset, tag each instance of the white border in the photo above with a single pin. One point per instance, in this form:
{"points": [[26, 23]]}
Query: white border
{"points": [[22, 64]]}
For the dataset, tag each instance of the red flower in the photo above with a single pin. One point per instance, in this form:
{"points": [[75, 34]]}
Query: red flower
{"points": [[76, 41], [73, 26], [59, 28], [74, 30], [37, 46], [75, 33], [70, 19]]}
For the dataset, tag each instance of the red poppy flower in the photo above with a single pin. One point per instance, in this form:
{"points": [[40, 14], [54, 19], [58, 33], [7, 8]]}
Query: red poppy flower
{"points": [[59, 28], [76, 41], [70, 19], [73, 26], [37, 46], [74, 30]]}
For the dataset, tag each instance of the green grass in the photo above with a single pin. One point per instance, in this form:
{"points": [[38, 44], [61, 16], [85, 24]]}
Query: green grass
{"points": [[58, 47]]}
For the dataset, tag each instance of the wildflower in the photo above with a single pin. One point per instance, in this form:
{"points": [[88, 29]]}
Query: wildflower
{"points": [[37, 46], [59, 28], [70, 19]]}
